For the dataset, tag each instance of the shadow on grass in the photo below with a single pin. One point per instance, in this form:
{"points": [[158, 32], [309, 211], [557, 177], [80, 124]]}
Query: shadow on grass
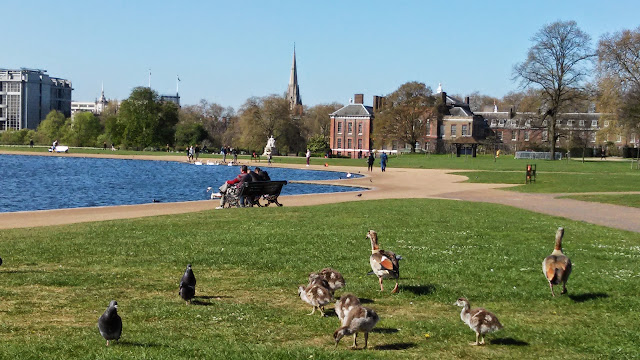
{"points": [[365, 301], [209, 297], [330, 313], [200, 303], [384, 330], [136, 344], [419, 289], [395, 346], [509, 342], [580, 298]]}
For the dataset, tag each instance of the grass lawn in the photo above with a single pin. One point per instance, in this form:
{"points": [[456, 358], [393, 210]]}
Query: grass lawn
{"points": [[558, 182], [56, 281], [622, 199]]}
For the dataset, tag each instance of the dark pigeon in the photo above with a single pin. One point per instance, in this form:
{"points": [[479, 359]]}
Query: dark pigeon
{"points": [[188, 285], [110, 323]]}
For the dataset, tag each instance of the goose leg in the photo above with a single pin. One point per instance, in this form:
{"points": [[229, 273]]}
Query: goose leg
{"points": [[481, 339], [355, 342], [564, 288], [477, 337], [395, 289], [551, 287], [107, 342], [313, 311], [380, 281], [321, 308], [366, 339]]}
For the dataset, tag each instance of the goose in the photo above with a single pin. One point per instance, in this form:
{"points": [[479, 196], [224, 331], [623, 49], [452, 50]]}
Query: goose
{"points": [[383, 263], [110, 323], [346, 303], [479, 320], [315, 295], [557, 266], [187, 285], [359, 319], [333, 278]]}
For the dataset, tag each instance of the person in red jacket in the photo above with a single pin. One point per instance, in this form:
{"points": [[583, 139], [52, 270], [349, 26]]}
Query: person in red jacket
{"points": [[232, 182]]}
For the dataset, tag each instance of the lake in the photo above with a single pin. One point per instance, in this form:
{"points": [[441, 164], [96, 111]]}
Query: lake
{"points": [[57, 182]]}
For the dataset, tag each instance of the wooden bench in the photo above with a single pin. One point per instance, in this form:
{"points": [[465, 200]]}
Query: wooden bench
{"points": [[268, 190]]}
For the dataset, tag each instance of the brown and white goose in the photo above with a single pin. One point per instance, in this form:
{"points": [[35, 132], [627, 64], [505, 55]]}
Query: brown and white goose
{"points": [[358, 319], [557, 266], [479, 320], [315, 295], [328, 278], [346, 303], [383, 263]]}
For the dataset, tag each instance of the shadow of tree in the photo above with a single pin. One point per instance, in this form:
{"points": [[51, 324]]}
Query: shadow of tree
{"points": [[384, 330], [509, 341], [419, 289], [395, 346], [588, 296]]}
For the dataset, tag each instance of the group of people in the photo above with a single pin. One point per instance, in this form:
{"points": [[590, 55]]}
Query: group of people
{"points": [[245, 176], [383, 161], [193, 151], [225, 150]]}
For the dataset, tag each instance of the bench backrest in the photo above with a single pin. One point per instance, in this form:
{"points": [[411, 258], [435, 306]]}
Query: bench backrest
{"points": [[257, 188]]}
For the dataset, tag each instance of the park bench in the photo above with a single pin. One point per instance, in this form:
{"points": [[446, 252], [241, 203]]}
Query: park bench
{"points": [[267, 190]]}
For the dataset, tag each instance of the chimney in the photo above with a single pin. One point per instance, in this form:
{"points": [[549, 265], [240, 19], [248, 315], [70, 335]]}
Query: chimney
{"points": [[378, 102], [466, 100], [444, 97], [358, 98]]}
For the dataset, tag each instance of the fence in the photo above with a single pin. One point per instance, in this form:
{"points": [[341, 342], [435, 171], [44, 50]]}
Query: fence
{"points": [[545, 155]]}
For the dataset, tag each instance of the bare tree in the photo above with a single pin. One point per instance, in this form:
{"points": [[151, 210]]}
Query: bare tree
{"points": [[557, 63]]}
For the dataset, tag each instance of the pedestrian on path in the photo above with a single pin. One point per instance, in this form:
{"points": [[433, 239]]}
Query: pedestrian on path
{"points": [[370, 161], [383, 161], [308, 156]]}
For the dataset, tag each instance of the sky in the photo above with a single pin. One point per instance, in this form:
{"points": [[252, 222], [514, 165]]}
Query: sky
{"points": [[228, 51]]}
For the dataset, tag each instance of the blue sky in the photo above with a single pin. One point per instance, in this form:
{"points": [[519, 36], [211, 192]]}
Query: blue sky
{"points": [[228, 51]]}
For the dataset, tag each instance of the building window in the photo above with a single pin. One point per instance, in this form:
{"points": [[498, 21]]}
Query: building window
{"points": [[501, 122], [544, 122], [464, 130], [339, 143], [545, 135], [594, 123], [526, 136], [494, 122], [514, 135], [428, 128], [592, 137], [360, 129], [527, 123], [499, 135], [569, 122], [453, 131], [359, 143], [581, 122], [349, 143], [606, 123], [394, 145], [441, 134], [619, 138], [350, 128], [558, 122], [339, 127]]}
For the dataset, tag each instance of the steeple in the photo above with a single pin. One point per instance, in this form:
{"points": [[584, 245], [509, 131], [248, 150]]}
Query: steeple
{"points": [[293, 92], [102, 103]]}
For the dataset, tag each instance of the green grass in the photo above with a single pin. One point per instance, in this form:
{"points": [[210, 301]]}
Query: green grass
{"points": [[632, 200], [56, 281], [550, 182]]}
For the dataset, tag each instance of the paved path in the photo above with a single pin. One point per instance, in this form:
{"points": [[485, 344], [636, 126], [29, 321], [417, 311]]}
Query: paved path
{"points": [[393, 184]]}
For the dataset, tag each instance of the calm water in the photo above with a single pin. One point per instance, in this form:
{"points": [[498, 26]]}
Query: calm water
{"points": [[55, 182]]}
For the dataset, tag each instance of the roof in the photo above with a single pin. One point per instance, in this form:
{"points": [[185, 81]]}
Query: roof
{"points": [[460, 111], [354, 110]]}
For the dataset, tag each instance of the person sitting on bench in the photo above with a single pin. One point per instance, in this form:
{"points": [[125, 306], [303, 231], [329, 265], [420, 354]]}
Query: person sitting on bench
{"points": [[233, 182]]}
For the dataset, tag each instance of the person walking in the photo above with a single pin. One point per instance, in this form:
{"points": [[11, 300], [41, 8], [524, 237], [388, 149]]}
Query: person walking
{"points": [[370, 161], [308, 156], [383, 161]]}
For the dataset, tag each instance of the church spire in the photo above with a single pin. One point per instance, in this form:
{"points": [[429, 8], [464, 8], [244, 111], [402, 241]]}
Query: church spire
{"points": [[293, 92]]}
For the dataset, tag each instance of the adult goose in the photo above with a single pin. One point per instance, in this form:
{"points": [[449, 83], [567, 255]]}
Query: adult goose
{"points": [[383, 263], [557, 266]]}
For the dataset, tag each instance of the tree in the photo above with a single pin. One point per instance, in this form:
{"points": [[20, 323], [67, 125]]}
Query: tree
{"points": [[557, 64], [619, 72], [83, 130], [139, 117], [316, 120], [52, 127], [189, 133], [405, 114], [318, 144]]}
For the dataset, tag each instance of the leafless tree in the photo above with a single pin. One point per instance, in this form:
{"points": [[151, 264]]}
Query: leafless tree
{"points": [[558, 64]]}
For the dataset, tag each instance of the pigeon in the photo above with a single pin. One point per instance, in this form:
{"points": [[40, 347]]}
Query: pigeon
{"points": [[110, 323], [359, 194], [188, 285]]}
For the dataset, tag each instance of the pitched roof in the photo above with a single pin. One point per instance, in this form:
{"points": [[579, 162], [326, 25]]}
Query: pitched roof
{"points": [[354, 110]]}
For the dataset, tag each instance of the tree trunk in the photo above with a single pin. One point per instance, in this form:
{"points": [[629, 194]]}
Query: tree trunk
{"points": [[552, 137]]}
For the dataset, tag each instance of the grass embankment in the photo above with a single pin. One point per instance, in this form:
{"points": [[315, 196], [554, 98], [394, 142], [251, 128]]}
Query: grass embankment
{"points": [[56, 281], [622, 199]]}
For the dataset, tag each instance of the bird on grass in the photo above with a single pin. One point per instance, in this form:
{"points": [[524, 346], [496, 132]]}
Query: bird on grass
{"points": [[110, 323], [479, 320], [187, 285], [557, 266], [315, 295], [329, 278], [383, 263], [360, 194], [358, 319], [346, 303]]}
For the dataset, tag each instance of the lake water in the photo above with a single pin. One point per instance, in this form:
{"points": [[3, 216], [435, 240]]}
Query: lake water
{"points": [[56, 182]]}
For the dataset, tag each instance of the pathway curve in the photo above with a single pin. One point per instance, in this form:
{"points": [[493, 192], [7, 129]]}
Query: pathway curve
{"points": [[395, 183]]}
